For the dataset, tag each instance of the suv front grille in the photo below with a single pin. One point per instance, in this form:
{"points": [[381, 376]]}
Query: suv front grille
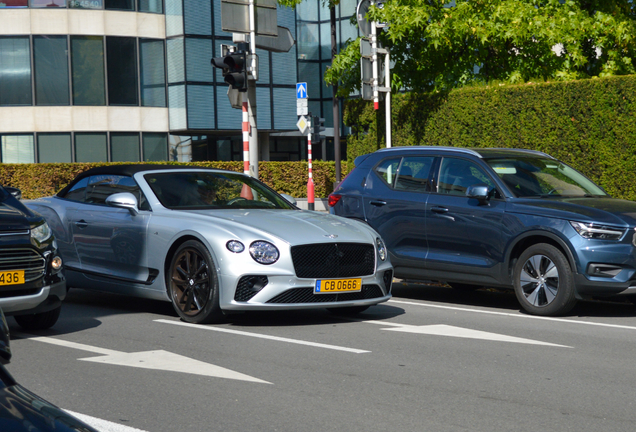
{"points": [[28, 260], [333, 260]]}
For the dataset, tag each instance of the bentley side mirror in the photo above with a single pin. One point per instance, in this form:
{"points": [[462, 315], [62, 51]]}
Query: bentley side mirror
{"points": [[124, 200], [289, 198]]}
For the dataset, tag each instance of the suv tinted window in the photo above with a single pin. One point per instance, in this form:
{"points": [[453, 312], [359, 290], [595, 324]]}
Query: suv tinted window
{"points": [[387, 170], [413, 174], [457, 174]]}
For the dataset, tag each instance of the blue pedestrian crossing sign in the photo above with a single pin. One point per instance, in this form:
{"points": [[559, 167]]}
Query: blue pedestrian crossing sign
{"points": [[301, 90]]}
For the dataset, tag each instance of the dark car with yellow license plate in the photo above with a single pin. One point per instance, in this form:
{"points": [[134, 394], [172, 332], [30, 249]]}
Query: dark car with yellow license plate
{"points": [[32, 286], [507, 218], [23, 411]]}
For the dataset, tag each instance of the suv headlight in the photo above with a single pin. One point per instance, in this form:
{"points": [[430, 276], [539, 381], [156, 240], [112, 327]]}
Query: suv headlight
{"points": [[264, 252], [41, 233], [598, 232], [381, 248]]}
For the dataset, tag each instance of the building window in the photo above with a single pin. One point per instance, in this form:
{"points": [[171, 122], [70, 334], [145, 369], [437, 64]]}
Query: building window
{"points": [[121, 53], [87, 62], [153, 72], [54, 147], [128, 5], [153, 6], [15, 71], [124, 147], [50, 57], [155, 146], [86, 4], [17, 148], [91, 147], [13, 4], [48, 3]]}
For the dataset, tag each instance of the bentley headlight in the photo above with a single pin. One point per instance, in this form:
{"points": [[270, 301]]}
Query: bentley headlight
{"points": [[381, 248], [235, 246], [41, 233], [264, 252], [598, 232]]}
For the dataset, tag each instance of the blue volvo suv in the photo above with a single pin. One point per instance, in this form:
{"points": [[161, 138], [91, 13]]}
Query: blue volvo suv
{"points": [[509, 218]]}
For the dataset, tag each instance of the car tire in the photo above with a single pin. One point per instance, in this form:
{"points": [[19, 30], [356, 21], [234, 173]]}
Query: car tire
{"points": [[348, 311], [543, 281], [39, 321], [193, 284]]}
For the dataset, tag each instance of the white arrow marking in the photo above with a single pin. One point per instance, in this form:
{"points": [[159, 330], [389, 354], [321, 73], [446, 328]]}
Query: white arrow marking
{"points": [[262, 336], [158, 360], [451, 331]]}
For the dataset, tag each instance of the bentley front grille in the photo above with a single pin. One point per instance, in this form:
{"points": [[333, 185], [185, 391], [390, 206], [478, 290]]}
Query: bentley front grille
{"points": [[333, 260]]}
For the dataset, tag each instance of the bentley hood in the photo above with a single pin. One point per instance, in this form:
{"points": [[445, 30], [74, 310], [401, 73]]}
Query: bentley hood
{"points": [[296, 226]]}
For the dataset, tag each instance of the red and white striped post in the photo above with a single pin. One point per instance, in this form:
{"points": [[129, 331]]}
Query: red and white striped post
{"points": [[246, 191], [310, 180]]}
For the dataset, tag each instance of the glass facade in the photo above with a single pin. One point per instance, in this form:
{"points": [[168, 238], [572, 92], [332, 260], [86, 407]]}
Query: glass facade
{"points": [[50, 58], [148, 6], [15, 71], [174, 73]]}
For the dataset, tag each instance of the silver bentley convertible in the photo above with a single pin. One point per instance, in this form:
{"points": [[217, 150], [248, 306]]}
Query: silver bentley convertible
{"points": [[211, 241]]}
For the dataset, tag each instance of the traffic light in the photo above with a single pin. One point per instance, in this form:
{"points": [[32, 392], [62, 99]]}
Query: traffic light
{"points": [[234, 67], [317, 125]]}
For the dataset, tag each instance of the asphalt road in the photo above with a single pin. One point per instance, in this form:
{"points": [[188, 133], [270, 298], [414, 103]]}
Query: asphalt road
{"points": [[431, 359]]}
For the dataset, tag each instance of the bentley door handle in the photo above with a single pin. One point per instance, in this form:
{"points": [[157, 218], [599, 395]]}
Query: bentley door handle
{"points": [[81, 224], [377, 203]]}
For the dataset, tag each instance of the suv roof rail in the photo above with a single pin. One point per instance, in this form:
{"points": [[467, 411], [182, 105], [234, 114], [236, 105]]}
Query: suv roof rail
{"points": [[448, 148], [536, 152]]}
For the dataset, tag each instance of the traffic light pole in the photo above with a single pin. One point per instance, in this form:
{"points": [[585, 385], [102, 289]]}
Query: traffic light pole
{"points": [[251, 94]]}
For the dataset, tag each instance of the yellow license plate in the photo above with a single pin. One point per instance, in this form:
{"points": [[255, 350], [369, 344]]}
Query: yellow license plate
{"points": [[12, 277], [327, 286]]}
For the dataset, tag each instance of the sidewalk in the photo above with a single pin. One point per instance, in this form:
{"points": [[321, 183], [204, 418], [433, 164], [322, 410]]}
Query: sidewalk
{"points": [[320, 204]]}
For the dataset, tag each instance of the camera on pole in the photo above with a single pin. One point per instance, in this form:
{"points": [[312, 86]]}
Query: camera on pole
{"points": [[234, 65]]}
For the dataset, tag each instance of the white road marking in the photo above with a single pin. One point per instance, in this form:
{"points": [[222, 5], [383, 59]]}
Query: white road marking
{"points": [[262, 336], [157, 360], [103, 425], [446, 330], [516, 315]]}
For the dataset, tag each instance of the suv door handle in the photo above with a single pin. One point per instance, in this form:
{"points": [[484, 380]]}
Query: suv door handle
{"points": [[81, 224], [377, 203], [439, 210]]}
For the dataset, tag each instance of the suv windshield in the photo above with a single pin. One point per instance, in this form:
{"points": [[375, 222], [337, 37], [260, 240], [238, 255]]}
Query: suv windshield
{"points": [[543, 177], [213, 190]]}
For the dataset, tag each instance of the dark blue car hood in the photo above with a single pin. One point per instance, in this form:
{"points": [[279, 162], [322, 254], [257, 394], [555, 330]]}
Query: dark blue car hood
{"points": [[14, 216], [611, 211]]}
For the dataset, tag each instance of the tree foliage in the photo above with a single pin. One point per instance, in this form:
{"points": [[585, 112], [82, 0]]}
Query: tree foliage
{"points": [[440, 45]]}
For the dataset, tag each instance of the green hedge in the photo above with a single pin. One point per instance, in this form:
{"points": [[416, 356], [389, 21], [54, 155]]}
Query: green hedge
{"points": [[589, 124], [38, 180]]}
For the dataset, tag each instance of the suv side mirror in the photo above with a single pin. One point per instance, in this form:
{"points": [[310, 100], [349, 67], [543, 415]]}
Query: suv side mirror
{"points": [[124, 200], [15, 192], [480, 192]]}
